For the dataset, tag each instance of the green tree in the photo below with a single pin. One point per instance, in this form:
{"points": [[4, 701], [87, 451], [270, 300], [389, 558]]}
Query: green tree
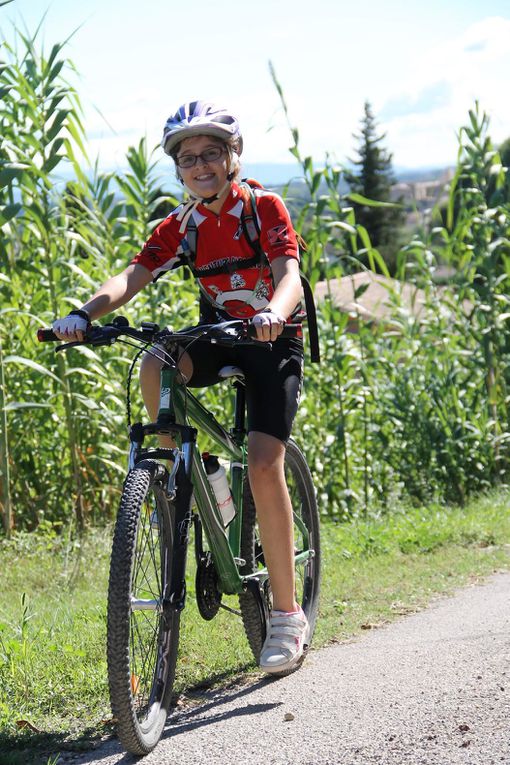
{"points": [[373, 178], [504, 153]]}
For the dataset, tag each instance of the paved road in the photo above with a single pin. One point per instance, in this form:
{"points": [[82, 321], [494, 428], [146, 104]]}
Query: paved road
{"points": [[430, 689]]}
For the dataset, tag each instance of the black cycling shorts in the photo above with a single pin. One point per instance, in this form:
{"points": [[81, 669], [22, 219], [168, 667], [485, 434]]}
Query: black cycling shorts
{"points": [[273, 378]]}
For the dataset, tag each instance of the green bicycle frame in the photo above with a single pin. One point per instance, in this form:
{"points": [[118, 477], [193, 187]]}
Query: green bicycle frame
{"points": [[178, 405], [177, 408]]}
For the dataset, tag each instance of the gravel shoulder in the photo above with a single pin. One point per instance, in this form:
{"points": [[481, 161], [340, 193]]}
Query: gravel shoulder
{"points": [[431, 689]]}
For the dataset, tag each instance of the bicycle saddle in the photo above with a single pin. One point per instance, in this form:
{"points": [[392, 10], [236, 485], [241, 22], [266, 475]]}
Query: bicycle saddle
{"points": [[230, 371]]}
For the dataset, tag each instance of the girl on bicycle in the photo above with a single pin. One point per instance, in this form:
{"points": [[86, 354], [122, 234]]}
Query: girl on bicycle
{"points": [[205, 144]]}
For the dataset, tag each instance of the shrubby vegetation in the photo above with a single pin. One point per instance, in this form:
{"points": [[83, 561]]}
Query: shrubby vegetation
{"points": [[416, 409]]}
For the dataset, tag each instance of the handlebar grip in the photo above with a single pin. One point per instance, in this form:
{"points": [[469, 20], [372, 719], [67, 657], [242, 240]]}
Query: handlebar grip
{"points": [[46, 336], [289, 330], [292, 330]]}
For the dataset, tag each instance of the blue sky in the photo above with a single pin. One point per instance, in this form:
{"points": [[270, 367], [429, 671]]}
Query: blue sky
{"points": [[421, 65]]}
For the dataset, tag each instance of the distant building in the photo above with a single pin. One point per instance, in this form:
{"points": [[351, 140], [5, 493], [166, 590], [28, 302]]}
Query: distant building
{"points": [[421, 196]]}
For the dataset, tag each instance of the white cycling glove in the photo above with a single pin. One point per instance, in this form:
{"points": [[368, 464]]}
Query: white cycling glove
{"points": [[268, 325], [76, 321]]}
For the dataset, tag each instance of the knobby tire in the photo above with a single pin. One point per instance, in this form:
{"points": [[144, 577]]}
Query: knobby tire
{"points": [[142, 640]]}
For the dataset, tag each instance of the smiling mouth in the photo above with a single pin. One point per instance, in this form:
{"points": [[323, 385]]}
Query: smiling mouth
{"points": [[204, 177]]}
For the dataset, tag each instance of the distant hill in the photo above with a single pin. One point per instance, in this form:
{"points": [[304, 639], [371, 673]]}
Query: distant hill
{"points": [[410, 175], [271, 174], [281, 174], [274, 175]]}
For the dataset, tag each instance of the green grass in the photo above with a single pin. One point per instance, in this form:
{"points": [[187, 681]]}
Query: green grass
{"points": [[52, 615]]}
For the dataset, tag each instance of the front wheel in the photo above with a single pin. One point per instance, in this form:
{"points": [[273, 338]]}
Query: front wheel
{"points": [[142, 631], [306, 547]]}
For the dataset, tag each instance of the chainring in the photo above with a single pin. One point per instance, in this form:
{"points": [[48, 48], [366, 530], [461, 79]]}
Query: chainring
{"points": [[207, 592]]}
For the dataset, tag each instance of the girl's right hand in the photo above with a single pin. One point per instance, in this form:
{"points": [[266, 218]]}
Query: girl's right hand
{"points": [[71, 327], [268, 325]]}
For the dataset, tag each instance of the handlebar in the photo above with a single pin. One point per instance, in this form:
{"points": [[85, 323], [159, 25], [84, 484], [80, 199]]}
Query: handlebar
{"points": [[225, 333], [46, 336]]}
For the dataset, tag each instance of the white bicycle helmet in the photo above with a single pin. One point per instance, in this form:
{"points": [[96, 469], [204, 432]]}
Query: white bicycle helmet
{"points": [[200, 118]]}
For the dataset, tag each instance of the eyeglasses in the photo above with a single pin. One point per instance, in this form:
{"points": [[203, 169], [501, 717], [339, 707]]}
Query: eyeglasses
{"points": [[209, 155]]}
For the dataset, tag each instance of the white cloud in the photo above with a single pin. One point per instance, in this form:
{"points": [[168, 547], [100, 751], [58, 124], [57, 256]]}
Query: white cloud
{"points": [[421, 95], [472, 66]]}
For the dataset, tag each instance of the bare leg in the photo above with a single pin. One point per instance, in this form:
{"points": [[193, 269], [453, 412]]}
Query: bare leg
{"points": [[274, 512], [150, 370]]}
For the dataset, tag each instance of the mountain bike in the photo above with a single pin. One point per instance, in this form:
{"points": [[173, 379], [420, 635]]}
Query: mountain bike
{"points": [[166, 494]]}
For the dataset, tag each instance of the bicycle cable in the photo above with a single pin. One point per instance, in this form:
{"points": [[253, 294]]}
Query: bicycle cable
{"points": [[129, 378], [166, 355]]}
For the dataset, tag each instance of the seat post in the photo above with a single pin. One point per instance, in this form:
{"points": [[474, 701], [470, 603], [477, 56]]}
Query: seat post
{"points": [[237, 375], [239, 430]]}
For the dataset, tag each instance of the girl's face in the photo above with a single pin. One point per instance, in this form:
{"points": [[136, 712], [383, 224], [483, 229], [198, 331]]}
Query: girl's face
{"points": [[207, 176]]}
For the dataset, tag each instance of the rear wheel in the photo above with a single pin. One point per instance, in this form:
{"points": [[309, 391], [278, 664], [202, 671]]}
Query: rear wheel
{"points": [[143, 632], [306, 538]]}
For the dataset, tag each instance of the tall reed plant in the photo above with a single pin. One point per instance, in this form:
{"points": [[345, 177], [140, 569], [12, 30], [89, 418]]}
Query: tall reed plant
{"points": [[61, 240], [412, 408], [41, 127]]}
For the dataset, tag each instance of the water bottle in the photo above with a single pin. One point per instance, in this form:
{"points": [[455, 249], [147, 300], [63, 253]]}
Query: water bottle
{"points": [[217, 476]]}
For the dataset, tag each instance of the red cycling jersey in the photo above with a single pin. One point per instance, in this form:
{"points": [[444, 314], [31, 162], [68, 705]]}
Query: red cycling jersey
{"points": [[221, 240]]}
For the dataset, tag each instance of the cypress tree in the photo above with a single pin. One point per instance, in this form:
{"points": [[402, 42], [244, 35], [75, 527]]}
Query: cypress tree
{"points": [[372, 177], [504, 152]]}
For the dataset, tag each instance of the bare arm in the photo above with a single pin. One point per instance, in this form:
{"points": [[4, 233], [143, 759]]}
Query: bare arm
{"points": [[118, 291], [288, 289], [286, 296], [114, 293]]}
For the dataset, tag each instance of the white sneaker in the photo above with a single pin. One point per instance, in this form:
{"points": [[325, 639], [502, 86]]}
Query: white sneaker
{"points": [[285, 641]]}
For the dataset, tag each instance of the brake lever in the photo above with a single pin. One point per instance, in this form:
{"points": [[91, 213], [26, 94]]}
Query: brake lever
{"points": [[69, 345], [267, 344], [244, 341]]}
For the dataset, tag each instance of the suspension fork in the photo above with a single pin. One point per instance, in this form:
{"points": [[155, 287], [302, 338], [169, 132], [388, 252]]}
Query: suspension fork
{"points": [[183, 518]]}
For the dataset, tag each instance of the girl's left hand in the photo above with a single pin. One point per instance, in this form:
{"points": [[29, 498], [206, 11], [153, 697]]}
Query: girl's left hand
{"points": [[268, 325]]}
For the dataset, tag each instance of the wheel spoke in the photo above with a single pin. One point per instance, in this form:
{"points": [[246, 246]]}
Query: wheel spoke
{"points": [[146, 555], [146, 612], [147, 657]]}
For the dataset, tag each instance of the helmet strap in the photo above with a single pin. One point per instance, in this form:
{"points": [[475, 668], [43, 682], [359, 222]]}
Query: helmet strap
{"points": [[192, 204]]}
